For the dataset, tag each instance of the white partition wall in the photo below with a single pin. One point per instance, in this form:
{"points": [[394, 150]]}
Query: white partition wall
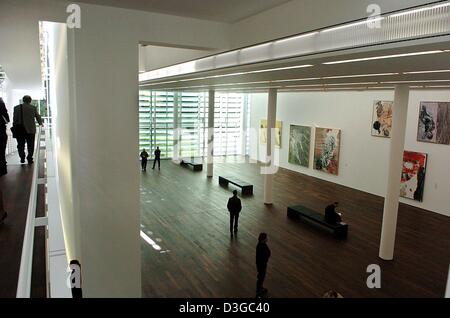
{"points": [[363, 157]]}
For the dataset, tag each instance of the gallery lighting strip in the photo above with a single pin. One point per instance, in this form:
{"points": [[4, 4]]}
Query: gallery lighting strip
{"points": [[382, 57], [427, 72], [237, 74], [419, 10], [274, 81], [368, 22]]}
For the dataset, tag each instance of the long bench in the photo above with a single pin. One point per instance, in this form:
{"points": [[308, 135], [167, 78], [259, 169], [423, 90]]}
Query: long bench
{"points": [[339, 229], [247, 188], [196, 166]]}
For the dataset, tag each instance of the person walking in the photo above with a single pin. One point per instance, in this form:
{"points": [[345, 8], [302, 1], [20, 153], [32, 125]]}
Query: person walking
{"points": [[144, 159], [234, 207], [262, 257], [4, 119], [24, 116], [157, 158]]}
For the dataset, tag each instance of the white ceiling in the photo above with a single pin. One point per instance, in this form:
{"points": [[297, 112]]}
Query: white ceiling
{"points": [[319, 71], [229, 11]]}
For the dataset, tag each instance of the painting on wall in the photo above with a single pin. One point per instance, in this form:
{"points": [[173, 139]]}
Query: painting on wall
{"points": [[326, 150], [434, 123], [382, 118], [413, 175], [263, 132], [299, 145]]}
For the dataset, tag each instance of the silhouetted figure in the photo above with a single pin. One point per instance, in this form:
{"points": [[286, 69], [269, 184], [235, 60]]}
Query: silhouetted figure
{"points": [[418, 194], [331, 216], [24, 115], [157, 158], [144, 158], [76, 279], [3, 213], [234, 207], [4, 119], [262, 257]]}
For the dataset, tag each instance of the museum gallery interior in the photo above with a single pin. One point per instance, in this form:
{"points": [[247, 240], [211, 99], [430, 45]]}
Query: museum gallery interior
{"points": [[331, 120]]}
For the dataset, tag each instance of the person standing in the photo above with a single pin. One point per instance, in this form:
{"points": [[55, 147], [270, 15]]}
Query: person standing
{"points": [[144, 159], [234, 207], [157, 158], [25, 114], [262, 257], [4, 119]]}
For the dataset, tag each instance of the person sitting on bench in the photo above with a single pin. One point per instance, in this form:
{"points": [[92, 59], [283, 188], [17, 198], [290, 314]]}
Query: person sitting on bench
{"points": [[331, 216]]}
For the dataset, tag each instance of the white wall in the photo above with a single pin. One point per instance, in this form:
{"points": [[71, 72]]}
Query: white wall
{"points": [[98, 136], [299, 16], [153, 57], [63, 109], [362, 163]]}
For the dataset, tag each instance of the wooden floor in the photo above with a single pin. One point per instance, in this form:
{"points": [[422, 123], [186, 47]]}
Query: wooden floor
{"points": [[185, 215], [16, 186]]}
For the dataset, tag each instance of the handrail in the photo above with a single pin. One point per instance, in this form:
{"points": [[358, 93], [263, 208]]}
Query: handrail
{"points": [[26, 261]]}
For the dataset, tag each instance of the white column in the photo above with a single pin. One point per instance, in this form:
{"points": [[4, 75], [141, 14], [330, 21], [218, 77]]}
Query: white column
{"points": [[271, 120], [244, 130], [394, 173], [176, 127], [210, 158]]}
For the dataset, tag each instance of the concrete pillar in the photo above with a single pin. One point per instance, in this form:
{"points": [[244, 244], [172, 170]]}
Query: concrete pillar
{"points": [[176, 128], [394, 173], [210, 157], [271, 120]]}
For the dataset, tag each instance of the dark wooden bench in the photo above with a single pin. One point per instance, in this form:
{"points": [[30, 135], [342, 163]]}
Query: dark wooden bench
{"points": [[339, 229], [247, 188], [196, 166]]}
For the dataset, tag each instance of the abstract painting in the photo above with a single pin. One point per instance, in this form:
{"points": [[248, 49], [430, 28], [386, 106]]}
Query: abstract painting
{"points": [[434, 123], [299, 145], [382, 119], [413, 175], [326, 150], [263, 132]]}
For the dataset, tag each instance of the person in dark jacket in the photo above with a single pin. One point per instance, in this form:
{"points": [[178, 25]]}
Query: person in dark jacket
{"points": [[157, 158], [4, 119], [144, 158], [331, 216], [25, 114], [262, 257], [234, 207]]}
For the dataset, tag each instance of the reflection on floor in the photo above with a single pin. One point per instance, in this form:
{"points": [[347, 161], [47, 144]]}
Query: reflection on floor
{"points": [[184, 214]]}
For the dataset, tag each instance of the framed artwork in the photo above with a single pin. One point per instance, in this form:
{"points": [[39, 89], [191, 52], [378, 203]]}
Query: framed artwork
{"points": [[413, 175], [326, 150], [263, 132], [434, 123], [299, 145], [382, 118]]}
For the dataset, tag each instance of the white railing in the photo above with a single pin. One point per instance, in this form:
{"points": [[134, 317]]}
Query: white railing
{"points": [[26, 261]]}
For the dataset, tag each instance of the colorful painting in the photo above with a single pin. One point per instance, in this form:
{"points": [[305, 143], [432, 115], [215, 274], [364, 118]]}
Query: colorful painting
{"points": [[299, 145], [326, 150], [382, 119], [434, 123], [263, 132], [413, 175]]}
